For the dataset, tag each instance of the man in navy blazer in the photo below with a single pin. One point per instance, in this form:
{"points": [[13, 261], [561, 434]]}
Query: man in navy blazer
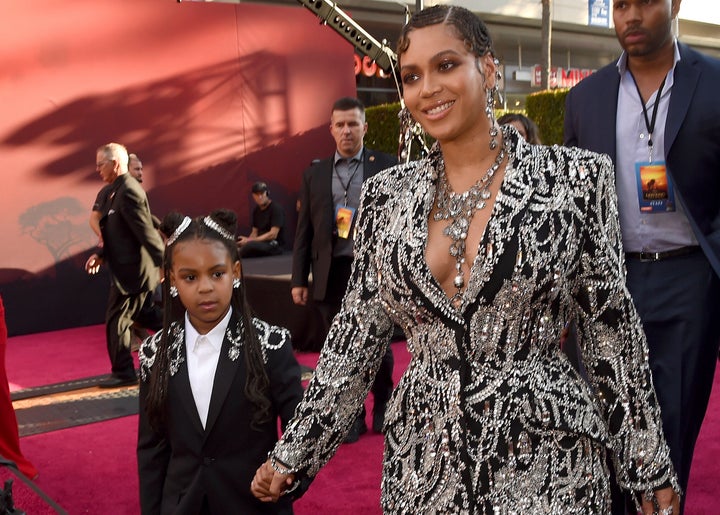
{"points": [[329, 198], [667, 160]]}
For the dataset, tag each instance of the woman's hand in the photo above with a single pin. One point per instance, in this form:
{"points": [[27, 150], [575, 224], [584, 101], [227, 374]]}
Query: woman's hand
{"points": [[663, 502], [268, 484]]}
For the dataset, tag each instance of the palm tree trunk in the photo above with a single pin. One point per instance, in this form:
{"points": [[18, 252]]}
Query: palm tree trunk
{"points": [[546, 37]]}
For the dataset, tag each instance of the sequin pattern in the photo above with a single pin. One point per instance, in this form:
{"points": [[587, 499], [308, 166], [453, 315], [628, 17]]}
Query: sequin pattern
{"points": [[490, 416], [271, 338]]}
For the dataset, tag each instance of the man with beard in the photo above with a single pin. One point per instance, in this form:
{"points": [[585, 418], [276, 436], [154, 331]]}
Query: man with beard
{"points": [[655, 112]]}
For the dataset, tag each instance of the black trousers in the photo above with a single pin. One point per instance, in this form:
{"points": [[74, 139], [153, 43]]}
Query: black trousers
{"points": [[678, 300], [122, 310], [151, 313], [330, 306], [260, 249]]}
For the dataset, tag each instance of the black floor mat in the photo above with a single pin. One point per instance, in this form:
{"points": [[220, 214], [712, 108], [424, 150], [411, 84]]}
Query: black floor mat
{"points": [[75, 409], [74, 403], [50, 389]]}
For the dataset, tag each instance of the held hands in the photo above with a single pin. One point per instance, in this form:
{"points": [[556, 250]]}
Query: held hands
{"points": [[662, 502], [269, 484], [242, 240], [92, 265]]}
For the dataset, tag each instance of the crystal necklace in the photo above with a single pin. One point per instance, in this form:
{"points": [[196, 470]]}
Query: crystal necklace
{"points": [[460, 208]]}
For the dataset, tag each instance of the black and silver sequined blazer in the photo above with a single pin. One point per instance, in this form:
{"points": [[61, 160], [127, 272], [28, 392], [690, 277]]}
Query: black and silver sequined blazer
{"points": [[490, 416]]}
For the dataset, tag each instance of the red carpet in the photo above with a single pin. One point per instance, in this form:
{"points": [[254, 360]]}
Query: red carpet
{"points": [[91, 469]]}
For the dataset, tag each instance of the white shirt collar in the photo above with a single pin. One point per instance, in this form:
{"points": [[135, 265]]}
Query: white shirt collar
{"points": [[622, 61], [215, 336]]}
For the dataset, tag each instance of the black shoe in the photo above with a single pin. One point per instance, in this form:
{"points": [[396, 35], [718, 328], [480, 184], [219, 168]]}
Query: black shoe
{"points": [[116, 382], [378, 418], [358, 428]]}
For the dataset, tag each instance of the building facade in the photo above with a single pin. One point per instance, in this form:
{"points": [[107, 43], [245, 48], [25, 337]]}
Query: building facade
{"points": [[583, 39]]}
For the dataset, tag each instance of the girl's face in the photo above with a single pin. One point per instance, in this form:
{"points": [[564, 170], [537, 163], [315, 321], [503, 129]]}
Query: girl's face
{"points": [[443, 86], [203, 275]]}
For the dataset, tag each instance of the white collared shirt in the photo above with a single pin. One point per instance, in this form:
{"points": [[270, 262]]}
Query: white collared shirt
{"points": [[202, 352], [644, 232]]}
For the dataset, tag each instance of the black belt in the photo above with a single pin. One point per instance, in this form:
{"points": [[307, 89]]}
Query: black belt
{"points": [[659, 256]]}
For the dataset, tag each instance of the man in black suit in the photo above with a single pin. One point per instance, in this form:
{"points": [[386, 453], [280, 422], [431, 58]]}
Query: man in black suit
{"points": [[655, 112], [133, 250], [150, 316], [329, 198]]}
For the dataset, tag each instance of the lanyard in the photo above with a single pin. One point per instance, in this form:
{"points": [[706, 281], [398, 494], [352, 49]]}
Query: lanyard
{"points": [[346, 186], [649, 123]]}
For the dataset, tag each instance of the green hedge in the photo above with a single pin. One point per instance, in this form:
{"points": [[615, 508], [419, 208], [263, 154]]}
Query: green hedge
{"points": [[384, 130], [383, 127], [547, 109]]}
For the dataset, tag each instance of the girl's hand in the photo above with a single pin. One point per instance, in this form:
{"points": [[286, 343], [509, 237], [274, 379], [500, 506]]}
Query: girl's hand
{"points": [[268, 485], [663, 502]]}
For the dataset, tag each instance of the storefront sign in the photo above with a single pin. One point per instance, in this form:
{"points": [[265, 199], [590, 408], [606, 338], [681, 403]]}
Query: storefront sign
{"points": [[560, 77], [368, 67], [599, 13]]}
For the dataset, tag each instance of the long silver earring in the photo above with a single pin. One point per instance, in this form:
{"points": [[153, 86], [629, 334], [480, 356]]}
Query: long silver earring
{"points": [[498, 82], [490, 112], [173, 291], [236, 283], [410, 132], [406, 134]]}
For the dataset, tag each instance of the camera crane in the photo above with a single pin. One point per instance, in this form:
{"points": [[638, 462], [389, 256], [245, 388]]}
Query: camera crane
{"points": [[331, 15]]}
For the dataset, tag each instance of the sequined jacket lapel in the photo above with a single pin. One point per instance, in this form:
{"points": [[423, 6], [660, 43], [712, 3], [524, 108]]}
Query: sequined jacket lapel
{"points": [[224, 374]]}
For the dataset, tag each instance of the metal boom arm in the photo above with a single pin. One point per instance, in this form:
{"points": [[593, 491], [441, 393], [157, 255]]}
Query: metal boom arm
{"points": [[330, 14]]}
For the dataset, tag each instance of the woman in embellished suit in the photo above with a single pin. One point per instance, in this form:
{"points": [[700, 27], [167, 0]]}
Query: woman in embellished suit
{"points": [[214, 381], [490, 416]]}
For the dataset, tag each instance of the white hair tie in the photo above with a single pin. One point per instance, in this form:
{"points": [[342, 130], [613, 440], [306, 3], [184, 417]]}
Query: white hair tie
{"points": [[216, 227], [180, 229]]}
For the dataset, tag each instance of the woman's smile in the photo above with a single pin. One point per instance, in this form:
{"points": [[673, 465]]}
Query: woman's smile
{"points": [[439, 110]]}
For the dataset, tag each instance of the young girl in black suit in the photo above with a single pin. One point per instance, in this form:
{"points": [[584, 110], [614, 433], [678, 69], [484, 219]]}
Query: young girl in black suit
{"points": [[213, 382]]}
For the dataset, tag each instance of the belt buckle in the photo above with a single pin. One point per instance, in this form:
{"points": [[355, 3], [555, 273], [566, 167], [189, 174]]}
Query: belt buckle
{"points": [[649, 257]]}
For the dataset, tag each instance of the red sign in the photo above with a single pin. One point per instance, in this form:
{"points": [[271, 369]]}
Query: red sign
{"points": [[560, 77], [368, 67]]}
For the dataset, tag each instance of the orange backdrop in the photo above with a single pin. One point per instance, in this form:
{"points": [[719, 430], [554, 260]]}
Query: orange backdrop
{"points": [[211, 96]]}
